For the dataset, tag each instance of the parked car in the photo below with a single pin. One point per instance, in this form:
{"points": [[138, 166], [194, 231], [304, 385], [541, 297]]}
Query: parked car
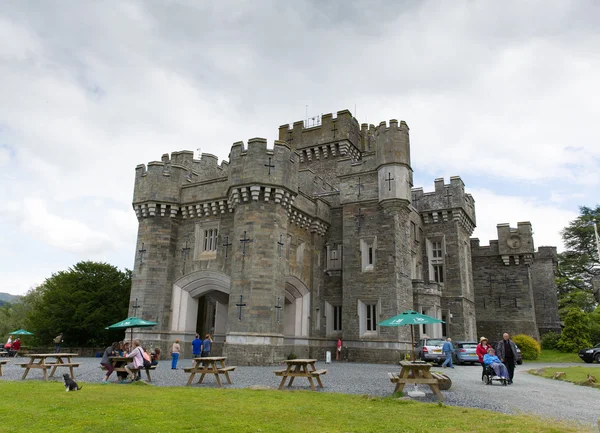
{"points": [[519, 359], [590, 355], [464, 352], [430, 349]]}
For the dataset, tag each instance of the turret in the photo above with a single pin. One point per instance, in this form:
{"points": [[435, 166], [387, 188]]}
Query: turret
{"points": [[393, 162]]}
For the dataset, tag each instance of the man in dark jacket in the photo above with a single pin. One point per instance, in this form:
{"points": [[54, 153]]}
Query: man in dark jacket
{"points": [[507, 352]]}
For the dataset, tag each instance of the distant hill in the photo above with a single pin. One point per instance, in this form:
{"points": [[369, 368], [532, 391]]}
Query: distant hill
{"points": [[7, 297]]}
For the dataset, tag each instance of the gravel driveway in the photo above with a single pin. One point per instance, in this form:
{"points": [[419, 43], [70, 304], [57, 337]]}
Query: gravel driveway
{"points": [[529, 394]]}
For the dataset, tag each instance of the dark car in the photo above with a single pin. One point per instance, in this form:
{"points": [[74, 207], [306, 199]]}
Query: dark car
{"points": [[590, 355], [430, 349], [465, 352]]}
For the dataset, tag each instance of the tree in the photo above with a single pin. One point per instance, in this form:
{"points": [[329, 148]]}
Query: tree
{"points": [[579, 264], [80, 303], [576, 333]]}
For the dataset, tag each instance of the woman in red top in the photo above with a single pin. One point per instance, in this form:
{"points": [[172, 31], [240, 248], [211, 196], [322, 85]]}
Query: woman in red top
{"points": [[481, 350], [16, 344]]}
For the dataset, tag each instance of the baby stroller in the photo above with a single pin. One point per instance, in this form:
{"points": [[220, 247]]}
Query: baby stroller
{"points": [[489, 376]]}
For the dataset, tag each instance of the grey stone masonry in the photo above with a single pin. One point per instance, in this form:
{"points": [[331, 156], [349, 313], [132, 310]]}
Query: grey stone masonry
{"points": [[514, 285], [283, 249]]}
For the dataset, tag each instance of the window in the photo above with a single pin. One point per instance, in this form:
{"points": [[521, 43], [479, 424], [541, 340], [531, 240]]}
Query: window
{"points": [[436, 253], [333, 319], [210, 240], [337, 317], [334, 257], [414, 233], [371, 317], [368, 249], [207, 241], [368, 312], [317, 318], [438, 273]]}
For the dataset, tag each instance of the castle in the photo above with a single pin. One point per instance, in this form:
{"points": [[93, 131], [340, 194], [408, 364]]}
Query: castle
{"points": [[285, 249]]}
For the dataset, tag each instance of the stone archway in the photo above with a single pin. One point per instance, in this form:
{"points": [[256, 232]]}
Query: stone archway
{"points": [[296, 309], [185, 297]]}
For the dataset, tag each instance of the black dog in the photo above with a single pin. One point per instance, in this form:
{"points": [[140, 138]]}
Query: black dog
{"points": [[70, 384]]}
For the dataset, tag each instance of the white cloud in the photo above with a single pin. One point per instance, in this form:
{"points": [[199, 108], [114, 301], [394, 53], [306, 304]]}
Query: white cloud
{"points": [[63, 233], [499, 92], [546, 220]]}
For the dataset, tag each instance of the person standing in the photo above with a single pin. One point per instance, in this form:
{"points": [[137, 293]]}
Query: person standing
{"points": [[338, 351], [481, 351], [106, 362], [206, 346], [175, 354], [57, 340], [196, 348], [507, 352], [448, 350]]}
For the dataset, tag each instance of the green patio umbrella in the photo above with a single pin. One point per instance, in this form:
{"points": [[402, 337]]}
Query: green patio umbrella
{"points": [[21, 332], [410, 317], [132, 322]]}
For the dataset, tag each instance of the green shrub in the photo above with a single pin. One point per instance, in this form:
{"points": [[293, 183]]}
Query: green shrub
{"points": [[550, 340], [576, 334], [530, 348]]}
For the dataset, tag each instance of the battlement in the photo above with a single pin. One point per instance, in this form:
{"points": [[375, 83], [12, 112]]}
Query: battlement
{"points": [[444, 197], [515, 241], [392, 143], [343, 127], [255, 162], [546, 252]]}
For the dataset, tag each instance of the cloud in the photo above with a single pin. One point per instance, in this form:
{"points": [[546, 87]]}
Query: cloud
{"points": [[546, 220], [499, 92], [63, 233]]}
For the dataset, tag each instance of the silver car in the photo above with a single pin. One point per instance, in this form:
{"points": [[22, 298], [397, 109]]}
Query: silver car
{"points": [[430, 349]]}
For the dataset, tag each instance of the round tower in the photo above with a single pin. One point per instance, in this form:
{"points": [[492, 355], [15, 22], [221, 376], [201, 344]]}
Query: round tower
{"points": [[263, 186], [393, 162]]}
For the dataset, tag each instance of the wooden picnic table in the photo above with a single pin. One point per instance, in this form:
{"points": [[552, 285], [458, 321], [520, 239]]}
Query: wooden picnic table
{"points": [[416, 373], [62, 360], [119, 363], [208, 365], [301, 368], [1, 364]]}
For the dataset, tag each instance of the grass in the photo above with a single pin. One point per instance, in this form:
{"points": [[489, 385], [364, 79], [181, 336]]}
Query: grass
{"points": [[549, 356], [45, 407], [577, 375]]}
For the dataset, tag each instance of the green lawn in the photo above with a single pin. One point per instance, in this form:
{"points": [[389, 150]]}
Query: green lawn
{"points": [[34, 406], [549, 356], [576, 375]]}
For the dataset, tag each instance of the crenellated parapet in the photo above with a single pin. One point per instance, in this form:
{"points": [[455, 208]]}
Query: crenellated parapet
{"points": [[448, 202], [392, 143], [340, 136], [515, 243], [276, 167]]}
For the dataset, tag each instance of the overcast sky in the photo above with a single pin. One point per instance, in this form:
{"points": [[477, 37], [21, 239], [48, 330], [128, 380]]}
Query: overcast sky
{"points": [[503, 94]]}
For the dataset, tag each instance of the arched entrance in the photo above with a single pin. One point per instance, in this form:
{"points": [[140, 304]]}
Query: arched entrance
{"points": [[296, 309], [200, 301]]}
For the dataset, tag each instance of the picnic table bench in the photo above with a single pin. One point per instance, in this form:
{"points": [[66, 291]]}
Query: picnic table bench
{"points": [[418, 373], [41, 363], [2, 362], [300, 368], [119, 363], [208, 365]]}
